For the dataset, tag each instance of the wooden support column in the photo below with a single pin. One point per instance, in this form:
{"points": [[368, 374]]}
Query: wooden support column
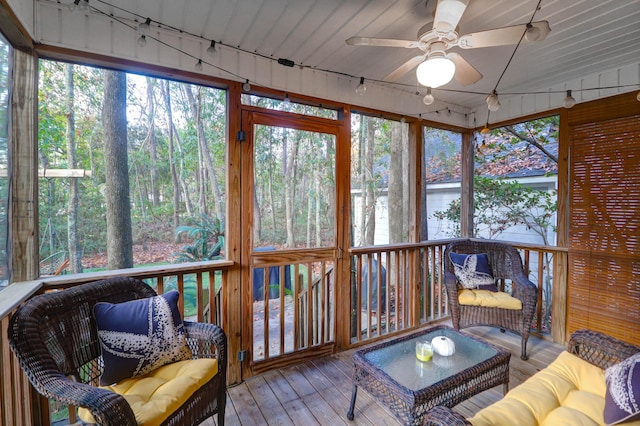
{"points": [[560, 259], [416, 211], [232, 292], [343, 233], [23, 166], [466, 208]]}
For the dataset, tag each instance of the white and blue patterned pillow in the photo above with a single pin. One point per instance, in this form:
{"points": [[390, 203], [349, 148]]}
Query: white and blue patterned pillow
{"points": [[622, 400], [138, 336], [473, 271]]}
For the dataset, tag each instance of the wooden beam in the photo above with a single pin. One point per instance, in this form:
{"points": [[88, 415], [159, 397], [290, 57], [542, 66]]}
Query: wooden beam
{"points": [[466, 209], [56, 173], [23, 141], [12, 29]]}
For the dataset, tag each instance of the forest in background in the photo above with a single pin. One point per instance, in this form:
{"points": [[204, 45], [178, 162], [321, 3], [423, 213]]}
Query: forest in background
{"points": [[153, 150], [170, 159]]}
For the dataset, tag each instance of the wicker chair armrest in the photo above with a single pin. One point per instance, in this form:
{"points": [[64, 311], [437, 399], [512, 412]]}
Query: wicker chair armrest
{"points": [[443, 416], [450, 282], [600, 349], [207, 341], [108, 408], [523, 288]]}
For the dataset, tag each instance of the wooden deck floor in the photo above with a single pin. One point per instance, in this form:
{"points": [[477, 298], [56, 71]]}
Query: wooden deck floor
{"points": [[318, 392]]}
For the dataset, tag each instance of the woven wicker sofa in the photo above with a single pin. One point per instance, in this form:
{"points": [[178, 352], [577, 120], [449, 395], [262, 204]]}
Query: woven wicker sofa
{"points": [[55, 338], [569, 391]]}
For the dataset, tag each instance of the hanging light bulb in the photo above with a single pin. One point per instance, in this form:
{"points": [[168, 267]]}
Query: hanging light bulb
{"points": [[492, 101], [569, 101], [211, 50], [532, 33], [361, 88], [246, 86], [80, 6], [485, 132], [428, 98], [145, 27], [286, 103], [142, 41], [198, 65]]}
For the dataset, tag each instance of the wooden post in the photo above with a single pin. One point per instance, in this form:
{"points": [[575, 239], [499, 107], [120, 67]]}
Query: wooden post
{"points": [[231, 291], [23, 196], [343, 236], [466, 208]]}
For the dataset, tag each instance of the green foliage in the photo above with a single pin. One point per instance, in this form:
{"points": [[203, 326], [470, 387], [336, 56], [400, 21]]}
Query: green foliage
{"points": [[502, 204], [207, 235]]}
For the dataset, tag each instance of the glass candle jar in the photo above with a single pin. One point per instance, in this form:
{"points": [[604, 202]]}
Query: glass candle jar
{"points": [[424, 350]]}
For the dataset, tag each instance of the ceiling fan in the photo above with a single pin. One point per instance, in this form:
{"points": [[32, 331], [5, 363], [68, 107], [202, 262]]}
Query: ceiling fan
{"points": [[436, 66]]}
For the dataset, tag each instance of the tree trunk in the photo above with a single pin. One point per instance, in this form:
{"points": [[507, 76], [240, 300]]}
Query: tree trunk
{"points": [[196, 106], [318, 206], [370, 206], [395, 192], [363, 179], [75, 251], [153, 143], [172, 164], [290, 185], [118, 205]]}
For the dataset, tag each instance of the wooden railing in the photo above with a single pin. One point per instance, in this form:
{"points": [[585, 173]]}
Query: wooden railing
{"points": [[407, 288], [293, 311], [198, 302], [407, 292]]}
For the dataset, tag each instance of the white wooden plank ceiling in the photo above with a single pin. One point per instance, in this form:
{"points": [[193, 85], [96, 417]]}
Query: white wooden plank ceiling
{"points": [[587, 36]]}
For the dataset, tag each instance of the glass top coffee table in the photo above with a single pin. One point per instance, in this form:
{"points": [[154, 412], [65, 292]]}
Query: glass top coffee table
{"points": [[391, 373]]}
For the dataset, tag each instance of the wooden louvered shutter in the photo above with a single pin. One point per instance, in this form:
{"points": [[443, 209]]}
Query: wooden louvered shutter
{"points": [[604, 226]]}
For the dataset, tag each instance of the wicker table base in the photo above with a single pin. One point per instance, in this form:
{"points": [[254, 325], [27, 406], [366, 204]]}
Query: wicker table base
{"points": [[390, 373]]}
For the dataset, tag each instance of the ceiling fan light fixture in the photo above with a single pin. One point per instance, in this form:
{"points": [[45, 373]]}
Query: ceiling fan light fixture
{"points": [[428, 98], [435, 71], [569, 101]]}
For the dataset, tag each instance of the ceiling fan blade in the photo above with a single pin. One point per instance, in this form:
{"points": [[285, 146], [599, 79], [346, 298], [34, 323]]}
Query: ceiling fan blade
{"points": [[504, 36], [387, 42], [448, 14], [405, 68], [465, 72]]}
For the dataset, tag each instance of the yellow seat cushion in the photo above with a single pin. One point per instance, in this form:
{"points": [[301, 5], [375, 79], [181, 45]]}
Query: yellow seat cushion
{"points": [[489, 299], [570, 391], [154, 396]]}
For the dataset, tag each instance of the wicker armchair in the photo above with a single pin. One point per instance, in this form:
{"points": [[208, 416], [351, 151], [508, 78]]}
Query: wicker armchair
{"points": [[54, 336], [505, 263]]}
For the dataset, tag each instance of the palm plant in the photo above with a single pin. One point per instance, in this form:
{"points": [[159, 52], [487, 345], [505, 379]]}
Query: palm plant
{"points": [[207, 236]]}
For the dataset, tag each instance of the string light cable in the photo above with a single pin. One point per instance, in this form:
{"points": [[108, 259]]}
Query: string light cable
{"points": [[145, 21]]}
